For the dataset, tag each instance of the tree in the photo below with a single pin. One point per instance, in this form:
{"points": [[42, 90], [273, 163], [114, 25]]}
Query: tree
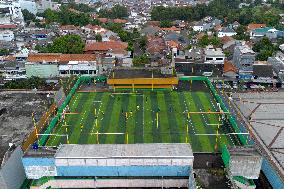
{"points": [[98, 38], [4, 52], [117, 11], [28, 16], [165, 24], [264, 49], [241, 33], [68, 44], [204, 41], [141, 60]]}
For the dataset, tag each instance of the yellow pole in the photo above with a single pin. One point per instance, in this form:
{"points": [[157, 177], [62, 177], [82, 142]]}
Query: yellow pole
{"points": [[186, 139], [97, 137], [126, 137], [186, 129], [188, 116], [67, 139], [157, 115], [34, 122]]}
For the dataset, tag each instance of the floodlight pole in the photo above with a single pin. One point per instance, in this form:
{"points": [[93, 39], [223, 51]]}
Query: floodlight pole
{"points": [[34, 122], [97, 136], [157, 117]]}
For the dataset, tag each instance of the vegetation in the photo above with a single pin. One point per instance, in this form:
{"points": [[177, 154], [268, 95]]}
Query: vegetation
{"points": [[30, 83], [141, 60], [226, 10], [264, 49], [28, 16], [67, 44], [117, 11], [241, 33], [4, 52], [165, 24], [98, 38], [141, 124], [65, 17], [205, 40]]}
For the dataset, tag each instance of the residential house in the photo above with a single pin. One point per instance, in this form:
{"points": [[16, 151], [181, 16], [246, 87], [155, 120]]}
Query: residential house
{"points": [[48, 65], [201, 26], [230, 71], [243, 60], [269, 32], [263, 73], [277, 63], [150, 30], [196, 61], [171, 29], [252, 26], [104, 47], [69, 29], [93, 29], [235, 25], [226, 32], [7, 35], [214, 55]]}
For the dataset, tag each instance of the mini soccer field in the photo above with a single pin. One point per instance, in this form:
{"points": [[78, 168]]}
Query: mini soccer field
{"points": [[144, 117]]}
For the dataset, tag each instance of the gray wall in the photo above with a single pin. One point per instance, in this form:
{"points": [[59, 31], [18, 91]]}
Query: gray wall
{"points": [[12, 174]]}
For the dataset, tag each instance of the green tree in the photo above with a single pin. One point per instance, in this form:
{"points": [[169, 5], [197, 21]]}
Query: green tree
{"points": [[4, 52], [117, 11], [28, 16], [165, 24], [204, 41], [68, 44], [98, 38], [140, 60], [264, 49], [241, 33]]}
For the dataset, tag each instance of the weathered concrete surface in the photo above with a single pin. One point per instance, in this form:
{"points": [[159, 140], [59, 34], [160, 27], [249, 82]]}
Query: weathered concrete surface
{"points": [[15, 116]]}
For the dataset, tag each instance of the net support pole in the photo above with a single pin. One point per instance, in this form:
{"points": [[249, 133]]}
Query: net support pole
{"points": [[157, 118]]}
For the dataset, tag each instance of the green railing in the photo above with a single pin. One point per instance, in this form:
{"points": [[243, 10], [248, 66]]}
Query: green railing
{"points": [[55, 120]]}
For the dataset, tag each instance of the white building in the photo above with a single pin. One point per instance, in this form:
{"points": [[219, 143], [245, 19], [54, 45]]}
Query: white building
{"points": [[10, 12], [84, 68], [7, 35], [201, 26], [226, 32], [214, 56], [29, 5]]}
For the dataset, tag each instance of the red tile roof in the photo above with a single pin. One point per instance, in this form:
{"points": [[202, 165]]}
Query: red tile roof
{"points": [[106, 45], [228, 66], [255, 26], [120, 21], [8, 26], [173, 28], [226, 39], [61, 58], [103, 20]]}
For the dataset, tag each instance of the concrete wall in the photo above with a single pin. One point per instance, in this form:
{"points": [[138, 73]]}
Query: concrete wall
{"points": [[42, 70], [12, 174], [124, 171]]}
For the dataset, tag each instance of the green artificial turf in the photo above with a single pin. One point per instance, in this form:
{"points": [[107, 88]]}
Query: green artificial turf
{"points": [[141, 124]]}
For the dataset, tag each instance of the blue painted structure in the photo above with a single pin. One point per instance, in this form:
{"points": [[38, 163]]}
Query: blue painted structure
{"points": [[271, 174], [109, 170], [31, 161], [123, 171]]}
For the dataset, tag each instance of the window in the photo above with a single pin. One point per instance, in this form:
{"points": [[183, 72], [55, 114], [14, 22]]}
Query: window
{"points": [[219, 58], [209, 58]]}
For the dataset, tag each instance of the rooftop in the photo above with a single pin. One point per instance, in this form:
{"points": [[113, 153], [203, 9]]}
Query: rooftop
{"points": [[106, 45], [265, 112], [61, 58], [125, 151], [137, 73]]}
